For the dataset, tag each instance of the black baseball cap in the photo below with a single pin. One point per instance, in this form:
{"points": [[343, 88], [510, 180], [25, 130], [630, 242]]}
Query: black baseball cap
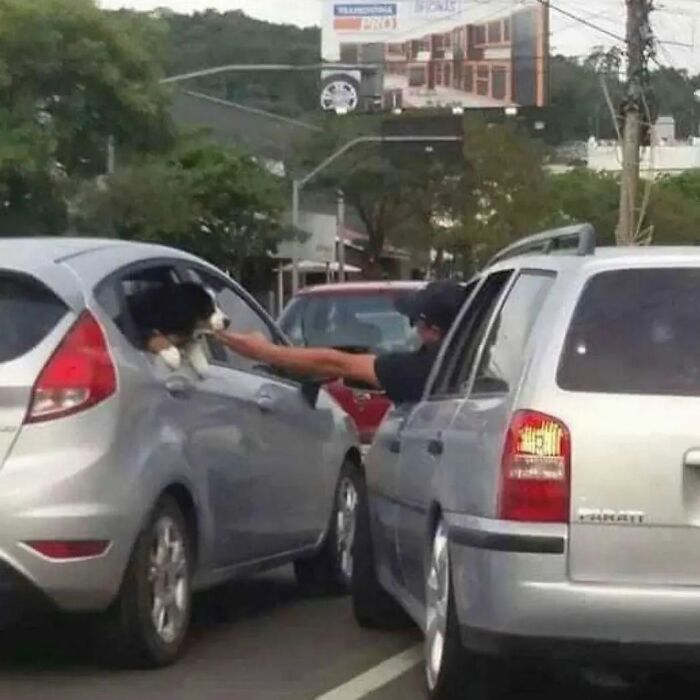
{"points": [[437, 304]]}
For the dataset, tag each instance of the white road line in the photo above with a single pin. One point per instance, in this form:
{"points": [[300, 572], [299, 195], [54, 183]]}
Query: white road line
{"points": [[377, 677]]}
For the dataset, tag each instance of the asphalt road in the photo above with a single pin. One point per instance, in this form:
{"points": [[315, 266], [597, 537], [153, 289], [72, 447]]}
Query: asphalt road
{"points": [[256, 640]]}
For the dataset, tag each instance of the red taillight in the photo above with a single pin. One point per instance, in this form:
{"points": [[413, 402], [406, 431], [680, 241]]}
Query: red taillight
{"points": [[80, 374], [535, 471], [62, 550]]}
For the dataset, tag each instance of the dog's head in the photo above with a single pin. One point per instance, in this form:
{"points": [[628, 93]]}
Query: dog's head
{"points": [[209, 316]]}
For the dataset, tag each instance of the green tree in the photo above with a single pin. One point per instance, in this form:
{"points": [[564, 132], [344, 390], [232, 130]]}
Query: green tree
{"points": [[212, 201], [672, 215], [207, 39], [71, 76], [504, 193]]}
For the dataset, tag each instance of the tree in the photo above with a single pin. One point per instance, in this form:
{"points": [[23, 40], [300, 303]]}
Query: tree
{"points": [[71, 76], [207, 39], [504, 193], [214, 202], [673, 214]]}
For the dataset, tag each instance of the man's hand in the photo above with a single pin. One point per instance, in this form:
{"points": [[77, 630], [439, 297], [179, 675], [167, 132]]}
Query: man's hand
{"points": [[309, 362]]}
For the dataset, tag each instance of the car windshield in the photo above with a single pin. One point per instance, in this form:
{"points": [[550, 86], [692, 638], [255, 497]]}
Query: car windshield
{"points": [[366, 322]]}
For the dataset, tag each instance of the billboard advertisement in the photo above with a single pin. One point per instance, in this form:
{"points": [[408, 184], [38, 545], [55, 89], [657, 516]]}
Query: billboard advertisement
{"points": [[418, 54]]}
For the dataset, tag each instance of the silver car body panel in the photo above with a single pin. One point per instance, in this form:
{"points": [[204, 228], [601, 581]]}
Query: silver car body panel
{"points": [[261, 481], [626, 568]]}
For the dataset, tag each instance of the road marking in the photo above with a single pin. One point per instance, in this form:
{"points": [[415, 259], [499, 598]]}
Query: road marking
{"points": [[377, 677]]}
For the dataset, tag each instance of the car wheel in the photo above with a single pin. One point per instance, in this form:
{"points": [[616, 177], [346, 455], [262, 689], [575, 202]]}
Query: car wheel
{"points": [[374, 608], [450, 671], [330, 571], [147, 625], [340, 91]]}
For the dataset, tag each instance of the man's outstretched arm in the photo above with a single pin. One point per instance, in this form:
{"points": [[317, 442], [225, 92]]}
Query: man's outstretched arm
{"points": [[320, 362]]}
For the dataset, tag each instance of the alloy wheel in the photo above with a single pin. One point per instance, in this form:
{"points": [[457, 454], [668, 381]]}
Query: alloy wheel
{"points": [[168, 580], [437, 603], [346, 526]]}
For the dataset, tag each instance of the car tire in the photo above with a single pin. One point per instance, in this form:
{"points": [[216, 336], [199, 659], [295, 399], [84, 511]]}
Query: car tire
{"points": [[135, 634], [451, 672], [340, 87], [330, 571], [373, 607]]}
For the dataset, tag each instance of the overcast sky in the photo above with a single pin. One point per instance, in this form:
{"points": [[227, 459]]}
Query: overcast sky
{"points": [[677, 20]]}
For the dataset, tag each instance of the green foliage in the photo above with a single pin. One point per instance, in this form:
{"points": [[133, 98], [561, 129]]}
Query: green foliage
{"points": [[504, 193], [70, 77], [212, 201], [673, 212], [210, 38]]}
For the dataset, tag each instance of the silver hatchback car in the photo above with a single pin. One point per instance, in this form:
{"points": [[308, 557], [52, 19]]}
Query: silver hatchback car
{"points": [[544, 497], [125, 486]]}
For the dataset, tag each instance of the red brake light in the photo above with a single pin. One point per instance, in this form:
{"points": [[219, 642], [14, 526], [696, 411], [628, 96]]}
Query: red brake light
{"points": [[62, 550], [535, 471], [79, 375]]}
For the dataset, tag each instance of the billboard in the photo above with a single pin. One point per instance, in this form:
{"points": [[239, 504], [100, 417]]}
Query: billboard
{"points": [[418, 54]]}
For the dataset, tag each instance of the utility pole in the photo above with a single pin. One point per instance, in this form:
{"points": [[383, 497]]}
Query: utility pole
{"points": [[640, 44]]}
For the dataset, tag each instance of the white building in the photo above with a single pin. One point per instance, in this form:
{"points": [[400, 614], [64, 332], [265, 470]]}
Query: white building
{"points": [[667, 156]]}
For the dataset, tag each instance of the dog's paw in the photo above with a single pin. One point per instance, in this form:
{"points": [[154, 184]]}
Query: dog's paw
{"points": [[198, 359], [172, 357]]}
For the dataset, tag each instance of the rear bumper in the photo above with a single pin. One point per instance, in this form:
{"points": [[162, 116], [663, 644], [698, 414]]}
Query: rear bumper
{"points": [[19, 597], [513, 595]]}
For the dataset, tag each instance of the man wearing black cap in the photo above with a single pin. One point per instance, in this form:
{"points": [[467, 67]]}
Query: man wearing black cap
{"points": [[402, 375]]}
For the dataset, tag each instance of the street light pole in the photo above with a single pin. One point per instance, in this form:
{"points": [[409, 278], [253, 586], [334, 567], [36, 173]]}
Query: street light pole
{"points": [[296, 190], [298, 184], [341, 236]]}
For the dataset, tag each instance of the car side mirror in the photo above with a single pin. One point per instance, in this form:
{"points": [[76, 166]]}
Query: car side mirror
{"points": [[310, 389]]}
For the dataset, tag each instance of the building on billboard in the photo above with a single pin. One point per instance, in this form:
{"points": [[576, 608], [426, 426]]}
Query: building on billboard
{"points": [[434, 53]]}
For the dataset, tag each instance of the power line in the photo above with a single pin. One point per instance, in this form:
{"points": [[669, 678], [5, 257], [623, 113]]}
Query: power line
{"points": [[582, 20]]}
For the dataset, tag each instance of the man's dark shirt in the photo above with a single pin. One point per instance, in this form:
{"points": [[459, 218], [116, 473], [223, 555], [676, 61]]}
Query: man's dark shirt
{"points": [[403, 375]]}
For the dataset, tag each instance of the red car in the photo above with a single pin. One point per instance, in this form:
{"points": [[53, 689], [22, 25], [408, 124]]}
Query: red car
{"points": [[356, 317]]}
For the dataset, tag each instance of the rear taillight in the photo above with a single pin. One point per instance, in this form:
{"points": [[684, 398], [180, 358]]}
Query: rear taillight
{"points": [[535, 470], [63, 550], [79, 375]]}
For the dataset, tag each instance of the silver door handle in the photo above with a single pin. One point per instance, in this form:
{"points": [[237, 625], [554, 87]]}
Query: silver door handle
{"points": [[179, 387], [692, 458], [265, 402]]}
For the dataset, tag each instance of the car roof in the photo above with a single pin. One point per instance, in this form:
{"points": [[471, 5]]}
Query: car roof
{"points": [[604, 257], [361, 287], [53, 250]]}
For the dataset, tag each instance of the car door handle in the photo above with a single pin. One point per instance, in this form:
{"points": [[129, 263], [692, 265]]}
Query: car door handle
{"points": [[395, 447], [436, 447], [265, 402], [179, 387], [692, 458]]}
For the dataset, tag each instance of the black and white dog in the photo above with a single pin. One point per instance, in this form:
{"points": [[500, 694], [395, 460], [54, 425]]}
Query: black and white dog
{"points": [[171, 322]]}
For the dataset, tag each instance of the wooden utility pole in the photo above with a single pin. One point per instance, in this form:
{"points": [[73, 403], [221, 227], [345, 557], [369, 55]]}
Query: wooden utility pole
{"points": [[639, 46]]}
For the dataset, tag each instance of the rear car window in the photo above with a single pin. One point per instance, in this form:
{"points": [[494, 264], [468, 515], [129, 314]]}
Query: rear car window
{"points": [[29, 311], [363, 322], [502, 360], [636, 332]]}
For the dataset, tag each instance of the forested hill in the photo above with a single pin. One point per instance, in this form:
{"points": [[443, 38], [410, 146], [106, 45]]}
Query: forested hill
{"points": [[214, 39], [211, 39]]}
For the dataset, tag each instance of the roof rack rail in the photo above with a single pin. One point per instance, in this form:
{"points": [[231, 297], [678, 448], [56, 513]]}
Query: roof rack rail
{"points": [[552, 241]]}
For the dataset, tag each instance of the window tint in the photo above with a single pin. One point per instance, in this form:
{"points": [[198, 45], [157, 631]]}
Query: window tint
{"points": [[370, 322], [458, 362], [502, 360], [636, 332], [28, 313], [244, 319]]}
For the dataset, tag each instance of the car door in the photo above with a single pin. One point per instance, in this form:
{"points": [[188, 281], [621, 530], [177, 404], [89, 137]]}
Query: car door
{"points": [[423, 437], [270, 495]]}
